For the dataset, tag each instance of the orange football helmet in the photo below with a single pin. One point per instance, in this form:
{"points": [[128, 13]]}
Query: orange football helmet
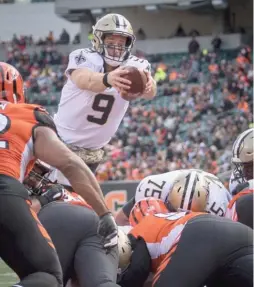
{"points": [[144, 207], [11, 84]]}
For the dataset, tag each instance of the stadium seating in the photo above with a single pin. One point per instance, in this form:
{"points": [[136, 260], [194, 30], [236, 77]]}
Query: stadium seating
{"points": [[203, 102]]}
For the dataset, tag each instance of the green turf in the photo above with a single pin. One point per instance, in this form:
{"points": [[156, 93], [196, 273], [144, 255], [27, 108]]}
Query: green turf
{"points": [[7, 277]]}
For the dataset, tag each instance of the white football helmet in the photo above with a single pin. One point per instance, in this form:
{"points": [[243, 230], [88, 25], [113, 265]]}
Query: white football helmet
{"points": [[124, 248], [243, 153], [190, 191], [115, 24]]}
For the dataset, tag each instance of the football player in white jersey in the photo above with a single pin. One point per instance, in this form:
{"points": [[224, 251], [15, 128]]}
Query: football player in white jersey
{"points": [[91, 107], [188, 189], [242, 159]]}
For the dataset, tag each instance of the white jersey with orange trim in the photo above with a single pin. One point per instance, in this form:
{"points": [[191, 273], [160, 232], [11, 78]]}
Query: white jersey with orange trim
{"points": [[160, 185]]}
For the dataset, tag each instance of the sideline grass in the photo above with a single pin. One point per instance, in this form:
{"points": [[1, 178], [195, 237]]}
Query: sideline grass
{"points": [[7, 277]]}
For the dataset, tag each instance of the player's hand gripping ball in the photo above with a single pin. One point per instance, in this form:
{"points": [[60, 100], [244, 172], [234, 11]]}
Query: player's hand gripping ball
{"points": [[138, 80]]}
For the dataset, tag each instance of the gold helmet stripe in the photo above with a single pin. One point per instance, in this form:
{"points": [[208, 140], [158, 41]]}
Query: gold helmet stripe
{"points": [[193, 191], [185, 190], [189, 190]]}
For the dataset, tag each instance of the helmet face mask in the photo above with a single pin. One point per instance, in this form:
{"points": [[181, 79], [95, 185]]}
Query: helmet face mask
{"points": [[113, 39], [115, 53], [37, 177], [244, 171]]}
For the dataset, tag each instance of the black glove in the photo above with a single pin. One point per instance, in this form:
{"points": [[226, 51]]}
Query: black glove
{"points": [[50, 193], [107, 228]]}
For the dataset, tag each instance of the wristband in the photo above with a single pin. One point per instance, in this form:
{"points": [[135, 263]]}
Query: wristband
{"points": [[105, 81], [108, 212]]}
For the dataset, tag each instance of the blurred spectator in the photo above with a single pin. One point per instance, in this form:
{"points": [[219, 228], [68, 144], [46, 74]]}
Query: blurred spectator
{"points": [[64, 38], [50, 37], [90, 35], [193, 46], [180, 31], [216, 43], [76, 39], [160, 75], [141, 35], [194, 33]]}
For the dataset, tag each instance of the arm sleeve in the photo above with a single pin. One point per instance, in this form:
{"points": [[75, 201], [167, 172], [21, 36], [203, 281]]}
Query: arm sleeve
{"points": [[128, 206]]}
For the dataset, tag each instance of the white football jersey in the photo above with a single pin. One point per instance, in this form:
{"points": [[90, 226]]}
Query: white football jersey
{"points": [[219, 197], [159, 186], [87, 119]]}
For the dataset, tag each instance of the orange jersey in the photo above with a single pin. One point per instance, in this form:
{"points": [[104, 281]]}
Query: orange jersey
{"points": [[76, 199], [17, 123], [161, 233], [231, 209]]}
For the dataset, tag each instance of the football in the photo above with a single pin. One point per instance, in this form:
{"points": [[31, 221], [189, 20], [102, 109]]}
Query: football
{"points": [[138, 80]]}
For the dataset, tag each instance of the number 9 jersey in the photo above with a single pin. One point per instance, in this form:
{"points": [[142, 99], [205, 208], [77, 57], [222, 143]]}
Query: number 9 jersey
{"points": [[87, 119]]}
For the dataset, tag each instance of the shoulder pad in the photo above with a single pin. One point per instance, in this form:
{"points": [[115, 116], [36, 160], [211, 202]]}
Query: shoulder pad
{"points": [[82, 55], [138, 63]]}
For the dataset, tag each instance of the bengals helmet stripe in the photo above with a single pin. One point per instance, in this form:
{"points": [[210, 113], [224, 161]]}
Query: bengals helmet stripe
{"points": [[11, 84], [2, 82], [141, 210], [133, 216], [144, 207]]}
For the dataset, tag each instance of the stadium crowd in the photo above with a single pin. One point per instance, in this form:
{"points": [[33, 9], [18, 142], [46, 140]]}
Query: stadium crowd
{"points": [[204, 101]]}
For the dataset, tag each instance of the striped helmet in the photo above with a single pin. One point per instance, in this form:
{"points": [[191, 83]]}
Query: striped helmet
{"points": [[145, 207], [190, 191], [11, 84], [113, 24], [243, 153]]}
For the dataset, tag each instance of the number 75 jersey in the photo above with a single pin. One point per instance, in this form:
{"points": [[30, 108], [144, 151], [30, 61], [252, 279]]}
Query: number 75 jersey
{"points": [[87, 119], [159, 186]]}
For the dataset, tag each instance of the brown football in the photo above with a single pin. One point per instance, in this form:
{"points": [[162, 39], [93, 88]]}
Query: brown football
{"points": [[138, 80]]}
